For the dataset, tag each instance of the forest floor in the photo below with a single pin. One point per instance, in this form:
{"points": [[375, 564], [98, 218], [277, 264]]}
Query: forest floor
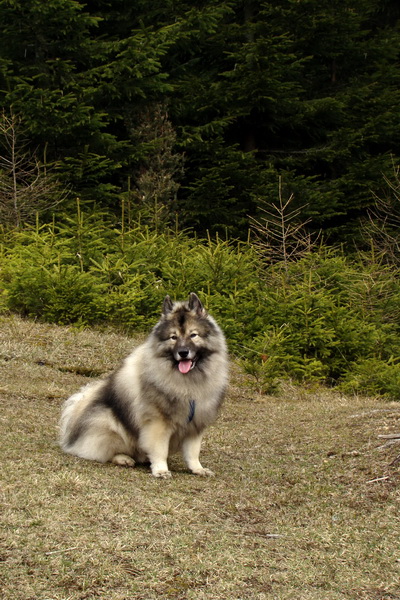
{"points": [[304, 505]]}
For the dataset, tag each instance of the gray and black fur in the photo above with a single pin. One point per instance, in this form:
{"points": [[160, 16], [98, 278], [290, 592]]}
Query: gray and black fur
{"points": [[161, 399]]}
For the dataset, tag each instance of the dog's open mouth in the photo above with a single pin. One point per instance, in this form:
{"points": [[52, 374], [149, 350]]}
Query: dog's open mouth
{"points": [[186, 365]]}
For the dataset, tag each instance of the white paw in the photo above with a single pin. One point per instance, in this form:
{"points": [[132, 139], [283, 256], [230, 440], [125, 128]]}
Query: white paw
{"points": [[123, 460], [162, 474], [203, 472]]}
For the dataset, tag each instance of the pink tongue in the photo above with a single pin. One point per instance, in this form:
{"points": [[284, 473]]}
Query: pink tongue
{"points": [[184, 366]]}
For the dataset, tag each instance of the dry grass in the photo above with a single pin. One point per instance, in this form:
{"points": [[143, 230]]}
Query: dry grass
{"points": [[293, 512]]}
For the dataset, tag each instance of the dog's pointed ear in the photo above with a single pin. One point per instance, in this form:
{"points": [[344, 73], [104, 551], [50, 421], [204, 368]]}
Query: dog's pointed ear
{"points": [[196, 305], [167, 305]]}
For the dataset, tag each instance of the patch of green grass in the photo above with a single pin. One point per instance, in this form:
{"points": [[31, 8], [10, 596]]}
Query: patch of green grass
{"points": [[294, 511]]}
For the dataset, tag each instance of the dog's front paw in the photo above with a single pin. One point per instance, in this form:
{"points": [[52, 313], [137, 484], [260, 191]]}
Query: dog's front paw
{"points": [[203, 472], [162, 474], [123, 460]]}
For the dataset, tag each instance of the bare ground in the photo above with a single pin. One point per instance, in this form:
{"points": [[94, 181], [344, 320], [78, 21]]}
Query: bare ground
{"points": [[305, 504]]}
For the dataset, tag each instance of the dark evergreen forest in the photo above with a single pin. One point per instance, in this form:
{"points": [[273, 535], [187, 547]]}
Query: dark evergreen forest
{"points": [[205, 112]]}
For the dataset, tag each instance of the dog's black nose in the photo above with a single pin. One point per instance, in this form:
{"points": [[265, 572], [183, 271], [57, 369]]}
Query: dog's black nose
{"points": [[183, 353]]}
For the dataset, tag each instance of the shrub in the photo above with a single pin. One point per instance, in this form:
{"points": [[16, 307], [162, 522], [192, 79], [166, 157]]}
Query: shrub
{"points": [[61, 294], [321, 318], [317, 323], [373, 377]]}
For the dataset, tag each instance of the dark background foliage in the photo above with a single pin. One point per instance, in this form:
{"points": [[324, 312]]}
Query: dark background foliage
{"points": [[253, 90]]}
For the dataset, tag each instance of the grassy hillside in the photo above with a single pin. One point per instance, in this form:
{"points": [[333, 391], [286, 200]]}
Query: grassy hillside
{"points": [[304, 504]]}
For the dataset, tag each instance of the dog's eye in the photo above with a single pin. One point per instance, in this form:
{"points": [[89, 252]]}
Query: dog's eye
{"points": [[193, 335], [173, 337]]}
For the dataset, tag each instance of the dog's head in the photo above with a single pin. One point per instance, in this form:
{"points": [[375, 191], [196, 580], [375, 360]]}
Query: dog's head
{"points": [[185, 333]]}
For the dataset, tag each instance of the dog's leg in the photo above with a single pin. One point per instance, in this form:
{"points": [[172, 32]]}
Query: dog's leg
{"points": [[191, 452], [154, 440]]}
